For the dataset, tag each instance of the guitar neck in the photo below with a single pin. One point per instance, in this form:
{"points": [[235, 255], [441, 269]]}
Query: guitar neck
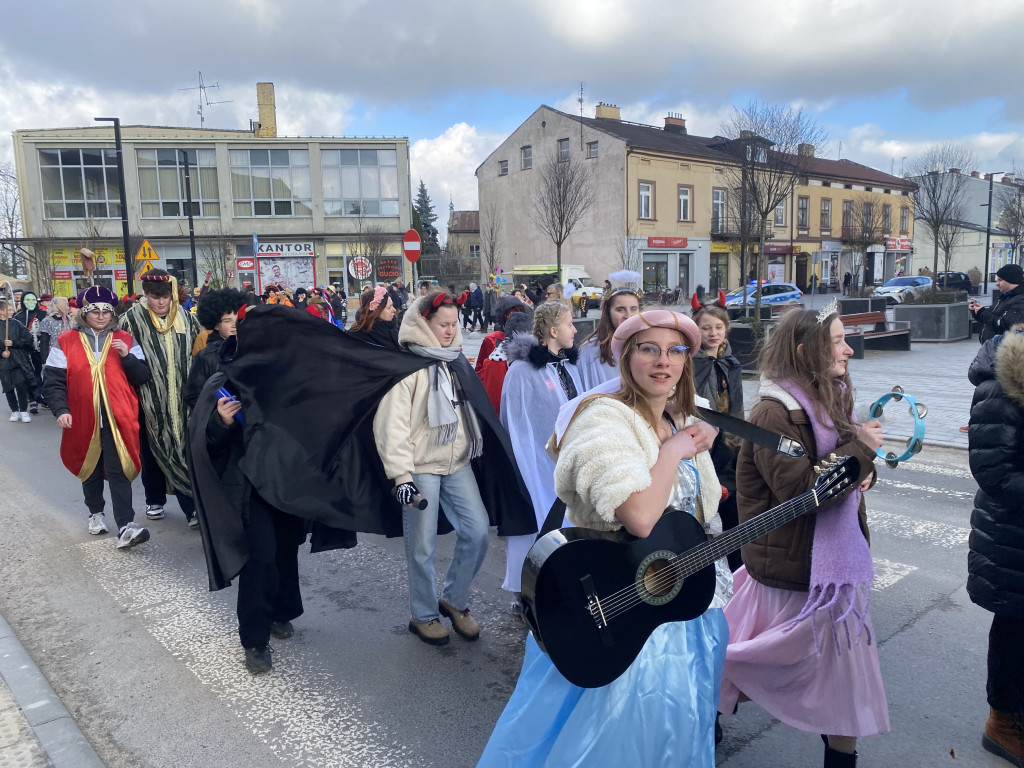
{"points": [[704, 555]]}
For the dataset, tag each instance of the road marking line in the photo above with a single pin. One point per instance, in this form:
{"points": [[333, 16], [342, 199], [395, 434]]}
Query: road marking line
{"points": [[888, 573], [967, 496], [304, 714], [915, 529]]}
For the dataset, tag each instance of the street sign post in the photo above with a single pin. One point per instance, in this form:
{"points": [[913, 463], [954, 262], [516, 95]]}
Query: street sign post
{"points": [[412, 244]]}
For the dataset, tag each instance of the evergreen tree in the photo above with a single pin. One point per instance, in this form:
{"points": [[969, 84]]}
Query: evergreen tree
{"points": [[424, 207]]}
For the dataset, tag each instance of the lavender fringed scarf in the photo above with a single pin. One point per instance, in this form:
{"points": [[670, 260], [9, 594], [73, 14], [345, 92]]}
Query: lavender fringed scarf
{"points": [[841, 567]]}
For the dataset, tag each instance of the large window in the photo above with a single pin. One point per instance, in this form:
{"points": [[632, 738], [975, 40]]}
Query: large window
{"points": [[886, 219], [780, 214], [904, 220], [360, 182], [474, 251], [526, 157], [717, 211], [79, 183], [563, 150], [646, 207], [685, 195], [270, 182], [847, 215], [826, 213], [803, 210], [162, 182]]}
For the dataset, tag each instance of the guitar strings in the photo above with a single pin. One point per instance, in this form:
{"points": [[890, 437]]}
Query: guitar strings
{"points": [[617, 603]]}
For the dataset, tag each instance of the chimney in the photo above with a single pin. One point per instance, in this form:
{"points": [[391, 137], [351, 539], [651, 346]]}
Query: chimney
{"points": [[975, 175], [746, 134], [675, 123], [607, 112], [805, 150], [1007, 179], [954, 170], [267, 127]]}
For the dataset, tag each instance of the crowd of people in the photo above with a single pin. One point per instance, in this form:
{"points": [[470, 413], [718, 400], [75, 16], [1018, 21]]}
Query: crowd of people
{"points": [[606, 428]]}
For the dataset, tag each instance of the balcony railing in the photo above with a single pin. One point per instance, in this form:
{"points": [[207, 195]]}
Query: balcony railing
{"points": [[733, 228]]}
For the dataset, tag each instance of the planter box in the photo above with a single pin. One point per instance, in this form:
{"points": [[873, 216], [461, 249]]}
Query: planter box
{"points": [[856, 306], [935, 322], [744, 347], [737, 312]]}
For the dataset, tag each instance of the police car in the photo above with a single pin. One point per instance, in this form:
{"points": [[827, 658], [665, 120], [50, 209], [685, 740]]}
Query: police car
{"points": [[771, 293]]}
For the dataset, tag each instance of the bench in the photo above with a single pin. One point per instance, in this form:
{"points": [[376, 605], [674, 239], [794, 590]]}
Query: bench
{"points": [[871, 330]]}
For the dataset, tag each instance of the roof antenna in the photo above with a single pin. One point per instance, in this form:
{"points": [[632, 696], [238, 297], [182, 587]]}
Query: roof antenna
{"points": [[580, 100], [203, 97]]}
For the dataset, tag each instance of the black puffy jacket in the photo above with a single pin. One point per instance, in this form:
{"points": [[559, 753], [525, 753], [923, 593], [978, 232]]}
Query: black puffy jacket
{"points": [[1001, 316], [995, 564]]}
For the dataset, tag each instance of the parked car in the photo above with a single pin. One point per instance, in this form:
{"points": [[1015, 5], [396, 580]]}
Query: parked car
{"points": [[897, 289], [954, 281], [771, 293]]}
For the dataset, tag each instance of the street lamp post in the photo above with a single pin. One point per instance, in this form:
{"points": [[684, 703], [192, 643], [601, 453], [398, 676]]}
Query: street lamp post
{"points": [[988, 230], [129, 261], [191, 224]]}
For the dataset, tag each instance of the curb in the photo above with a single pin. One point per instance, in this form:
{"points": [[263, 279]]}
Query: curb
{"points": [[58, 735]]}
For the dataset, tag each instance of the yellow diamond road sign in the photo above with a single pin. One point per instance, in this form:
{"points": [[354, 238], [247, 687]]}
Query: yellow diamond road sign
{"points": [[146, 252]]}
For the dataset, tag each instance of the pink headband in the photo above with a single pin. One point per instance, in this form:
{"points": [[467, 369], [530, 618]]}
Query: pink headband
{"points": [[378, 296], [658, 318]]}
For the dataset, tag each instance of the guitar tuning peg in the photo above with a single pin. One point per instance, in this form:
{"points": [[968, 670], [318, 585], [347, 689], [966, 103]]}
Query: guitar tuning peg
{"points": [[833, 459]]}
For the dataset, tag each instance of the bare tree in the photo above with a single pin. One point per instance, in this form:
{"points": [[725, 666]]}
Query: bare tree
{"points": [[951, 235], [214, 254], [773, 145], [940, 195], [490, 238], [1011, 220], [373, 242], [866, 229], [627, 250], [563, 196]]}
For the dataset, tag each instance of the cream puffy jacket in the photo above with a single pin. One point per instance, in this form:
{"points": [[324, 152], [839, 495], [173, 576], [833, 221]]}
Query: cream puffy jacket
{"points": [[606, 456], [401, 428]]}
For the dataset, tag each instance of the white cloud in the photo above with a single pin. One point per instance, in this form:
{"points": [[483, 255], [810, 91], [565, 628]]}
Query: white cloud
{"points": [[447, 165]]}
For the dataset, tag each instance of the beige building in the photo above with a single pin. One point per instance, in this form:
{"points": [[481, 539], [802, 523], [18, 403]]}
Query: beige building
{"points": [[662, 206], [266, 208]]}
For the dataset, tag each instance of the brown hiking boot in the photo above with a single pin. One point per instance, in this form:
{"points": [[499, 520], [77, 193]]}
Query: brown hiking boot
{"points": [[1003, 737], [462, 621], [432, 632]]}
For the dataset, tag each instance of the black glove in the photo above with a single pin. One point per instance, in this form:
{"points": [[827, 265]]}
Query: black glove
{"points": [[405, 493]]}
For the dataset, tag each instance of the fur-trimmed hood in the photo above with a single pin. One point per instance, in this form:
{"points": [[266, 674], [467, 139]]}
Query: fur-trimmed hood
{"points": [[1010, 366], [414, 329], [526, 347]]}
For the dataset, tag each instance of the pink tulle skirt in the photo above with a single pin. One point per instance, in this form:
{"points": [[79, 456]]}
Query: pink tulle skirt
{"points": [[839, 692]]}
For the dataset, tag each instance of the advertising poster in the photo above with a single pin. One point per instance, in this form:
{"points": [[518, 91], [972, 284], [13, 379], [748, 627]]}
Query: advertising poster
{"points": [[60, 257], [290, 273], [63, 285]]}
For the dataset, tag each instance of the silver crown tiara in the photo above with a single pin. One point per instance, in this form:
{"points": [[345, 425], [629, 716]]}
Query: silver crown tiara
{"points": [[832, 308]]}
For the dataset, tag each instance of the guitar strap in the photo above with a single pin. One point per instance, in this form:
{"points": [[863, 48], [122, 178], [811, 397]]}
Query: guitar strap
{"points": [[787, 446], [554, 519]]}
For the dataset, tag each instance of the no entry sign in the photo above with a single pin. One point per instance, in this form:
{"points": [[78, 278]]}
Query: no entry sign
{"points": [[360, 268], [412, 244]]}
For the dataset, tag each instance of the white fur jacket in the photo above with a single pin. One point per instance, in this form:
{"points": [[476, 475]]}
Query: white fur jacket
{"points": [[606, 456]]}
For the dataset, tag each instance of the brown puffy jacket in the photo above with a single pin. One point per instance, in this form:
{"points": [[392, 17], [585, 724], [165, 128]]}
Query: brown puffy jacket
{"points": [[766, 478]]}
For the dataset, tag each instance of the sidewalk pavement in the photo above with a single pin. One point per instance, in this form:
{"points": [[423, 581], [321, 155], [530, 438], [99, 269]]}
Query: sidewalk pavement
{"points": [[36, 730]]}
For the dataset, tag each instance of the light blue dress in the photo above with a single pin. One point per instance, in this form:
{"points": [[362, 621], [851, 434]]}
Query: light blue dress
{"points": [[659, 712]]}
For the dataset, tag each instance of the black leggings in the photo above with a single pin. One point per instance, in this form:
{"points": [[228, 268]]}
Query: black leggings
{"points": [[18, 398]]}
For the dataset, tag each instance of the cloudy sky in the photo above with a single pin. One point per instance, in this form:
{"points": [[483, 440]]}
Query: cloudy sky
{"points": [[885, 78]]}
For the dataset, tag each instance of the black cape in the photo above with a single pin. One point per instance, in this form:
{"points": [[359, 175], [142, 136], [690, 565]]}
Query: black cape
{"points": [[222, 492], [309, 394]]}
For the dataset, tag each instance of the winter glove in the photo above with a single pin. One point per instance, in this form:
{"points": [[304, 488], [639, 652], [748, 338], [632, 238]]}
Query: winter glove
{"points": [[408, 495]]}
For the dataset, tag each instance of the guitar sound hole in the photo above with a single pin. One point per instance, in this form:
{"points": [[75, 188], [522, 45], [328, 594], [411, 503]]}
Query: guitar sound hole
{"points": [[656, 581]]}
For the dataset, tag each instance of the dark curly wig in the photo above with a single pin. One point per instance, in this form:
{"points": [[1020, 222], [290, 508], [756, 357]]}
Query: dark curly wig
{"points": [[215, 304]]}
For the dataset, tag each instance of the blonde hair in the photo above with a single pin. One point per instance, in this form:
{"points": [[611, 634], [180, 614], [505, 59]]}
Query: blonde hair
{"points": [[545, 317]]}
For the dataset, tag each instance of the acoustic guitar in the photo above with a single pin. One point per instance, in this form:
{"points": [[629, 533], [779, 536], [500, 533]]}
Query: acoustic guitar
{"points": [[592, 598]]}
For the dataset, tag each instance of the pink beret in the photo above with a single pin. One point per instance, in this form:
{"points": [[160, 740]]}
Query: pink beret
{"points": [[657, 318]]}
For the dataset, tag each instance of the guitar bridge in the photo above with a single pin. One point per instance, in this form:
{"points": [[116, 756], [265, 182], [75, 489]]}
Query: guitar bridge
{"points": [[595, 609]]}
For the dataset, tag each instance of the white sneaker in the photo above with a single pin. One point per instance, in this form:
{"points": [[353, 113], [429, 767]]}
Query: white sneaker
{"points": [[16, 416], [193, 522], [25, 417], [154, 512], [97, 524], [131, 535]]}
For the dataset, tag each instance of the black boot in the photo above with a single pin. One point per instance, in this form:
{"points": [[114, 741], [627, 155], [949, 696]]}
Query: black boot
{"points": [[835, 759]]}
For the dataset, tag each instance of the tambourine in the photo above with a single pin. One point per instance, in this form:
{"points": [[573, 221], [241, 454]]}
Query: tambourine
{"points": [[918, 410]]}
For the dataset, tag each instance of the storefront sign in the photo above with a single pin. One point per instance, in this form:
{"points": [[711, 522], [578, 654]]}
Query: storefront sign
{"points": [[831, 245], [898, 243], [360, 268], [246, 265], [120, 274], [61, 274], [778, 248], [286, 249], [387, 268], [717, 247], [60, 257], [666, 242]]}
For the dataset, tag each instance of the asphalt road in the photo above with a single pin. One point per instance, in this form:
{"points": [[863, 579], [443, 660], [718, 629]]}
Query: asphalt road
{"points": [[147, 660]]}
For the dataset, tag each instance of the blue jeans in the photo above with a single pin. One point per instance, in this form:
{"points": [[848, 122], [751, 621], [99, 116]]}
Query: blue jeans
{"points": [[459, 495]]}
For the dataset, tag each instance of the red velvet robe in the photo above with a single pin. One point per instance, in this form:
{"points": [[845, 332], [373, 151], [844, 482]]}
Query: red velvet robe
{"points": [[94, 384]]}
